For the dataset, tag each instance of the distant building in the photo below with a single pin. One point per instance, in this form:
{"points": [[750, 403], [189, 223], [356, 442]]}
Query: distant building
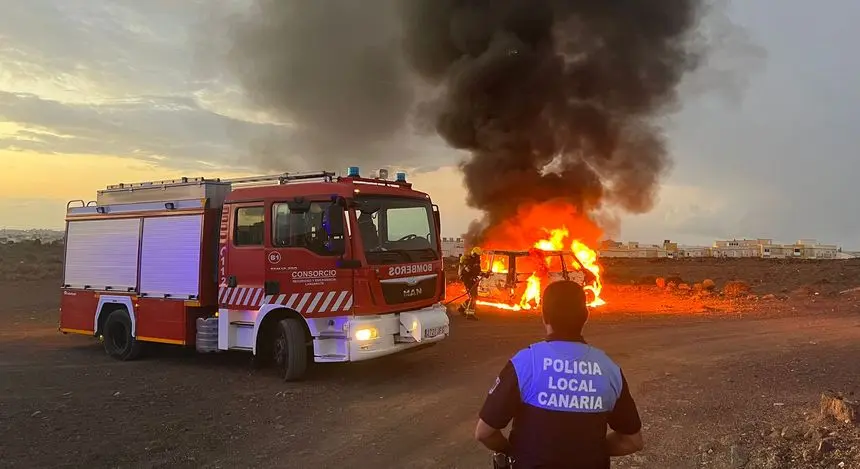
{"points": [[632, 249], [453, 247], [810, 249], [694, 251], [848, 254], [16, 236], [740, 247], [734, 248], [766, 248]]}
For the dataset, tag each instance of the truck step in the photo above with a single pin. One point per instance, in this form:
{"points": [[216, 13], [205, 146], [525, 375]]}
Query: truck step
{"points": [[239, 347], [331, 335], [242, 323], [330, 358]]}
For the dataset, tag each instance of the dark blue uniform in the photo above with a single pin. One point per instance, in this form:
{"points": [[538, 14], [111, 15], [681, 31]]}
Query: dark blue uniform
{"points": [[561, 395]]}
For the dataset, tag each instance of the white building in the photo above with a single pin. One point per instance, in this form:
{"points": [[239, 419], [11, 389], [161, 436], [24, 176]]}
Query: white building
{"points": [[740, 247], [766, 248], [632, 249], [453, 247], [734, 248], [810, 249], [694, 251]]}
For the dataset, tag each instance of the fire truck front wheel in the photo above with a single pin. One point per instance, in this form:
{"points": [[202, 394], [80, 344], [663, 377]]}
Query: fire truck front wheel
{"points": [[118, 341], [291, 349]]}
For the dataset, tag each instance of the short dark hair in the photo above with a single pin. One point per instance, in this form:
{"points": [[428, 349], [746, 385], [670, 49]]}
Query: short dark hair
{"points": [[565, 307]]}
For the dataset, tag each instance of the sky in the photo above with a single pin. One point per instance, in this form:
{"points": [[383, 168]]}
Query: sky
{"points": [[95, 92]]}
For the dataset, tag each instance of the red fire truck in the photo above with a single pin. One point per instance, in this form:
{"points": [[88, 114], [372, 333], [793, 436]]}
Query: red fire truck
{"points": [[293, 267]]}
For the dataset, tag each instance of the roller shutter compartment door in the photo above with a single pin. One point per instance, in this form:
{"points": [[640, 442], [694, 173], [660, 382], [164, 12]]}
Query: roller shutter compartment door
{"points": [[170, 256], [102, 254]]}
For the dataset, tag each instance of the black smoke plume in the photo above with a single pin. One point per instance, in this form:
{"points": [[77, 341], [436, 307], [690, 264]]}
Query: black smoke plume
{"points": [[555, 99], [332, 70]]}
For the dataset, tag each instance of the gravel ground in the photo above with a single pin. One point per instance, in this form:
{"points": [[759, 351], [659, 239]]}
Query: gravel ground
{"points": [[720, 383]]}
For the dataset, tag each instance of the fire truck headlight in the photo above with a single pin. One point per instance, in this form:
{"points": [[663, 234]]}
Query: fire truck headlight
{"points": [[366, 333]]}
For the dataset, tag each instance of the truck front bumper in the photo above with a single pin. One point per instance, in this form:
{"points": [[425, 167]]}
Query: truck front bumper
{"points": [[370, 337]]}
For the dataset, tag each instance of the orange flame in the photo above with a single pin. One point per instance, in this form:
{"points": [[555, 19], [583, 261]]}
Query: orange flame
{"points": [[585, 258], [532, 293], [512, 234]]}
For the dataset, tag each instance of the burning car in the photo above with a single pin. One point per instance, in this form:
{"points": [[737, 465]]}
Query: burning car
{"points": [[514, 280]]}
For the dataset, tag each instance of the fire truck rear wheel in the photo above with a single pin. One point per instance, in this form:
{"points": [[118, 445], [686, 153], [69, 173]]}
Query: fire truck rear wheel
{"points": [[290, 349], [118, 341]]}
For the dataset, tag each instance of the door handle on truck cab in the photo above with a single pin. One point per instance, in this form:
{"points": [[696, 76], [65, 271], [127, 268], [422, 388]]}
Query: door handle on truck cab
{"points": [[232, 282], [272, 287], [348, 264]]}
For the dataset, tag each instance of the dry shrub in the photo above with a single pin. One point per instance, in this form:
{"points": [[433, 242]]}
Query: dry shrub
{"points": [[708, 285], [31, 260], [647, 280], [736, 288], [676, 279]]}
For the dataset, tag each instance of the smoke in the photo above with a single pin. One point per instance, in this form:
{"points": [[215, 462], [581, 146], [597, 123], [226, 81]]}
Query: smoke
{"points": [[555, 99], [332, 70]]}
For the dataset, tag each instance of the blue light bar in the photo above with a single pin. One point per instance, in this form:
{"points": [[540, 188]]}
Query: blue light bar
{"points": [[400, 177], [352, 172]]}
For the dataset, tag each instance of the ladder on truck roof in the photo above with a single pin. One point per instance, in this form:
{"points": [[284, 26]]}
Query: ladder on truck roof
{"points": [[184, 192], [273, 179]]}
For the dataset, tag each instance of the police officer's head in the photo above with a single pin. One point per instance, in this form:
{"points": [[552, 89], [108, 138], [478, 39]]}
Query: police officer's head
{"points": [[564, 308]]}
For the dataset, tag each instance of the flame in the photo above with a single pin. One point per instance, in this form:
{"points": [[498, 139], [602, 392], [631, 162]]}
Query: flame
{"points": [[584, 258], [511, 236], [588, 259], [532, 293]]}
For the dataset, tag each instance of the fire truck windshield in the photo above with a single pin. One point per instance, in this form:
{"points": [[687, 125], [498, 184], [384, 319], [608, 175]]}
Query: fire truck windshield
{"points": [[396, 230]]}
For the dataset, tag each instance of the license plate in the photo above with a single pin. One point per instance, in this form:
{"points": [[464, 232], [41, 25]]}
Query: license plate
{"points": [[431, 332]]}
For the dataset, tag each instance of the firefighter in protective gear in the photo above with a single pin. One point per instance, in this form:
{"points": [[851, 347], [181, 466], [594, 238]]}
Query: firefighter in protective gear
{"points": [[470, 275]]}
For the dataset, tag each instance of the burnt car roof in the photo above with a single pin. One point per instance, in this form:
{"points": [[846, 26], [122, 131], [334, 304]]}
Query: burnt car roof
{"points": [[521, 253]]}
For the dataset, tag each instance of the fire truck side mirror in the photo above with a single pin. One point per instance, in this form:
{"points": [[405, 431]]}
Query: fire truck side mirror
{"points": [[334, 228], [334, 221]]}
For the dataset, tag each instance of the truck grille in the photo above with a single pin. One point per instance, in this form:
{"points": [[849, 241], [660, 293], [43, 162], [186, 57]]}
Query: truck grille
{"points": [[396, 292]]}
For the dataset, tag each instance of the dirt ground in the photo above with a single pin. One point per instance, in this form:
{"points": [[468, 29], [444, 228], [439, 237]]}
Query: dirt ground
{"points": [[720, 381]]}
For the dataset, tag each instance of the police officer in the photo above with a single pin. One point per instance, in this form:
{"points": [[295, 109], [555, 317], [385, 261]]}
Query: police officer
{"points": [[470, 274], [561, 394]]}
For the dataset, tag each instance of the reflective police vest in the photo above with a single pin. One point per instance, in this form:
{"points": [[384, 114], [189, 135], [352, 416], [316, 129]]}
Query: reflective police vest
{"points": [[567, 377]]}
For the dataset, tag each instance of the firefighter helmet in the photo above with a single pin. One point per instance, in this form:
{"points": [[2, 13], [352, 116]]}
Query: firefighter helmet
{"points": [[476, 251]]}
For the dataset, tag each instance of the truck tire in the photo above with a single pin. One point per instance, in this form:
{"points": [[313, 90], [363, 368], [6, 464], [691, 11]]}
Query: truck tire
{"points": [[118, 341], [290, 349]]}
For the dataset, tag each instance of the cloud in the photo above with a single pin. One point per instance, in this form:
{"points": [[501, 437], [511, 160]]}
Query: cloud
{"points": [[146, 80], [119, 78], [175, 128], [105, 47]]}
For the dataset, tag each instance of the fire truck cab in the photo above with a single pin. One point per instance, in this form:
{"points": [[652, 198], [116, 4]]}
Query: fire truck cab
{"points": [[293, 267]]}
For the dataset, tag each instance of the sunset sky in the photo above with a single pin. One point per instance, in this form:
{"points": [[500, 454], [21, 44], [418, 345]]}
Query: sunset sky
{"points": [[95, 92]]}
